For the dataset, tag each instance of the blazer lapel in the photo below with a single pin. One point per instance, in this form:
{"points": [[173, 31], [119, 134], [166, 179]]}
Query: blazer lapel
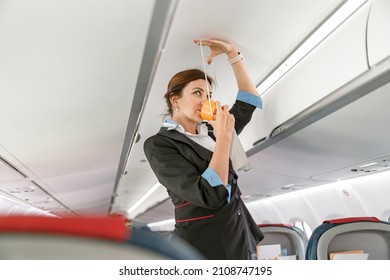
{"points": [[173, 134], [201, 151]]}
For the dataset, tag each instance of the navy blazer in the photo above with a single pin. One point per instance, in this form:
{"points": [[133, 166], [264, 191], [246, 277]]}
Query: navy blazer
{"points": [[204, 218]]}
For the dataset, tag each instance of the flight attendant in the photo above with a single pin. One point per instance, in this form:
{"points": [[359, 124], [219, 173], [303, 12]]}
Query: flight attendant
{"points": [[191, 159]]}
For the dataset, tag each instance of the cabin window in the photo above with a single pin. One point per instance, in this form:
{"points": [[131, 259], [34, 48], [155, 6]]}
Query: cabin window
{"points": [[304, 227]]}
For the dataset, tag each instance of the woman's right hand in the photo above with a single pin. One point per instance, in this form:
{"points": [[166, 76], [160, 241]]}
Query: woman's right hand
{"points": [[217, 47]]}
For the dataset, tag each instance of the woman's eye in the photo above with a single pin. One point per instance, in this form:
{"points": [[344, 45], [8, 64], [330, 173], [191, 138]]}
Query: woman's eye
{"points": [[197, 92]]}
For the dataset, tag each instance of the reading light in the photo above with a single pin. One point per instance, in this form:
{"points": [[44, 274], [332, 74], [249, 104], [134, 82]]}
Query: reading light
{"points": [[369, 164], [144, 197], [162, 225], [288, 186]]}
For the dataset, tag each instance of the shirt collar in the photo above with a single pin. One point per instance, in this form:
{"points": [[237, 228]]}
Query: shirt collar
{"points": [[172, 125]]}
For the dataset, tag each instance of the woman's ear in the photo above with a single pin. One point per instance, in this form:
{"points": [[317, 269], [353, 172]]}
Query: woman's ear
{"points": [[173, 100]]}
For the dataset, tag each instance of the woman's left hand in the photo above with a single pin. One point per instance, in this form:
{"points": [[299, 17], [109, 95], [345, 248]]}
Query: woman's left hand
{"points": [[223, 125], [216, 46]]}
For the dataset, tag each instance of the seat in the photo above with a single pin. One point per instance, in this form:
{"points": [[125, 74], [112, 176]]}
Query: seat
{"points": [[79, 238], [289, 237], [348, 235]]}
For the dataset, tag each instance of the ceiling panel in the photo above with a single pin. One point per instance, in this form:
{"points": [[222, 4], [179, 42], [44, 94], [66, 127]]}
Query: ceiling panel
{"points": [[67, 77]]}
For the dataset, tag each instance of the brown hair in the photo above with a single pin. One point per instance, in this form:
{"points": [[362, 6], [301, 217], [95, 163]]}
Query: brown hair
{"points": [[179, 81]]}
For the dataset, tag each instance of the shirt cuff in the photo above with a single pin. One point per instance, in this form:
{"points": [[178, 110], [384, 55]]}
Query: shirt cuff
{"points": [[213, 179], [251, 99]]}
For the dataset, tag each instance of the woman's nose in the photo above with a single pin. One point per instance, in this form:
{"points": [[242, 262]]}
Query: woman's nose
{"points": [[206, 98]]}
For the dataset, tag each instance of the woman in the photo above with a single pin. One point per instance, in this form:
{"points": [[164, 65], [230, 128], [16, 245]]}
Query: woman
{"points": [[191, 159]]}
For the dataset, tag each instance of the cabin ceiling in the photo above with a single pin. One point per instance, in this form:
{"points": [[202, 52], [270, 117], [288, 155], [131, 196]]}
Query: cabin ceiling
{"points": [[67, 78]]}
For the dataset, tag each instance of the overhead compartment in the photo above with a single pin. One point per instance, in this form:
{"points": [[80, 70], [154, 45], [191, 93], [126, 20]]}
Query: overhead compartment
{"points": [[337, 60], [325, 118]]}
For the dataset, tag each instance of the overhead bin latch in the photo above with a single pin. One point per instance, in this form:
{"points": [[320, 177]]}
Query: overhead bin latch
{"points": [[278, 130]]}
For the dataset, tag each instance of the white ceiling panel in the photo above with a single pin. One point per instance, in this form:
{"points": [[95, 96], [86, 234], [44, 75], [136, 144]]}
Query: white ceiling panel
{"points": [[67, 77]]}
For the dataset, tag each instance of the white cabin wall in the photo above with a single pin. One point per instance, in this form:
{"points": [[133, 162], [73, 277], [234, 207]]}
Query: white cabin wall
{"points": [[362, 196], [301, 205], [374, 194]]}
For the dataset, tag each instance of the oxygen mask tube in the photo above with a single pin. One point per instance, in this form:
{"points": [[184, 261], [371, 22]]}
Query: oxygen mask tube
{"points": [[208, 110], [237, 153]]}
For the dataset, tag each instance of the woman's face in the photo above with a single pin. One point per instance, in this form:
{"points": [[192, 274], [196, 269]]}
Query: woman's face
{"points": [[194, 94]]}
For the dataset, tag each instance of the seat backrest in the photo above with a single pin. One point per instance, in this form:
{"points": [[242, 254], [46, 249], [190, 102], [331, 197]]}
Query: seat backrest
{"points": [[32, 237], [367, 235], [289, 237]]}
